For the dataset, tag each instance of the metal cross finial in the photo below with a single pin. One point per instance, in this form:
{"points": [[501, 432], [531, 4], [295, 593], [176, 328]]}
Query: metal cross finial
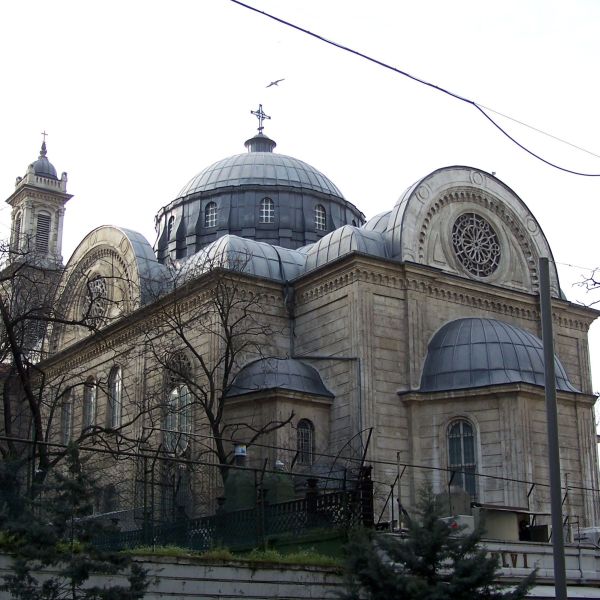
{"points": [[44, 134], [261, 116]]}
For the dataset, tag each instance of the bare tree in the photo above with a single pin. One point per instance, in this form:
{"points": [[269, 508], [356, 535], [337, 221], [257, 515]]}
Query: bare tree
{"points": [[37, 398], [213, 322]]}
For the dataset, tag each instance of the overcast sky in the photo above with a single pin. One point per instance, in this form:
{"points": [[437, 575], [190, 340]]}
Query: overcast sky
{"points": [[139, 96]]}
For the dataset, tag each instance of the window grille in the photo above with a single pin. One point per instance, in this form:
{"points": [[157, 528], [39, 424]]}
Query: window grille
{"points": [[210, 215], [42, 235], [66, 418], [90, 392], [461, 455], [320, 218], [305, 442], [115, 398], [178, 419], [267, 211]]}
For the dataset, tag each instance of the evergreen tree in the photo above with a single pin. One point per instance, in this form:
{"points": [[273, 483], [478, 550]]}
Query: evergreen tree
{"points": [[54, 531], [434, 561]]}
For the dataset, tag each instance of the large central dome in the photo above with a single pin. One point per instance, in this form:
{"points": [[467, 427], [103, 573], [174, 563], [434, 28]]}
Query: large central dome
{"points": [[259, 195], [262, 169]]}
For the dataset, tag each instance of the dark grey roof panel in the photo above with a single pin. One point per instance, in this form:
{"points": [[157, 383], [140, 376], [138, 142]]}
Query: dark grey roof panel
{"points": [[476, 352], [247, 256], [342, 241], [278, 373]]}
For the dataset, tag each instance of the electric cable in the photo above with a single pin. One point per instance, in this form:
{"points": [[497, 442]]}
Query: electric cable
{"points": [[385, 65]]}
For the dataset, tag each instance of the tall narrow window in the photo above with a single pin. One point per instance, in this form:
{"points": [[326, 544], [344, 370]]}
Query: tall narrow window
{"points": [[267, 211], [17, 243], [178, 419], [42, 232], [210, 215], [461, 455], [66, 419], [90, 391], [320, 218], [170, 227], [305, 442], [115, 397]]}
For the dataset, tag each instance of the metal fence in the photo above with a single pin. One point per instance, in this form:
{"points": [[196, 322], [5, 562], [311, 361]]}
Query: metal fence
{"points": [[253, 527]]}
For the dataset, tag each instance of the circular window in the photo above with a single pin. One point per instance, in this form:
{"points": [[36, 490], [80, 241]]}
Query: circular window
{"points": [[96, 301], [476, 244]]}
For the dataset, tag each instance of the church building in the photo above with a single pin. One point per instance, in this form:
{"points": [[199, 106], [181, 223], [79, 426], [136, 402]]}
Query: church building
{"points": [[410, 341]]}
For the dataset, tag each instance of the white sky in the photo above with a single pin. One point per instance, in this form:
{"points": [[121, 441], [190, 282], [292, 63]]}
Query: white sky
{"points": [[139, 96]]}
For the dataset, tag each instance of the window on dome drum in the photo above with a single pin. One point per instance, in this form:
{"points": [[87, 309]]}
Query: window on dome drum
{"points": [[267, 211], [461, 455], [115, 398], [210, 215], [178, 419], [305, 442], [66, 420], [170, 227], [320, 218], [42, 232], [90, 393]]}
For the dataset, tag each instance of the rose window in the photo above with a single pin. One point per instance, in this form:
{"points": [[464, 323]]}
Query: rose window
{"points": [[96, 301], [476, 245]]}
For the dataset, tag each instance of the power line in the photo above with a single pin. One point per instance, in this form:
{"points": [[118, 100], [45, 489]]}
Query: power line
{"points": [[385, 65]]}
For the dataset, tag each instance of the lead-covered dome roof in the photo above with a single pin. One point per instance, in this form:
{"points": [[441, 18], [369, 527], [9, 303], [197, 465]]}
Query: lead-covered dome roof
{"points": [[42, 166], [476, 352], [260, 196], [278, 373], [260, 169]]}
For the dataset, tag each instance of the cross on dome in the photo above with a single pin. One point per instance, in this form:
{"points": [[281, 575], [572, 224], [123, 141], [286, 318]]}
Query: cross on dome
{"points": [[261, 116]]}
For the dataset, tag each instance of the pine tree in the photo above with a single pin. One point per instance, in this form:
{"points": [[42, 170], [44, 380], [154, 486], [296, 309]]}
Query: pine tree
{"points": [[433, 561], [54, 531]]}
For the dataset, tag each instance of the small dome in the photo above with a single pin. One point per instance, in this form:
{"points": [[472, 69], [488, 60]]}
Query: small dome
{"points": [[278, 373], [475, 352], [260, 168], [42, 166]]}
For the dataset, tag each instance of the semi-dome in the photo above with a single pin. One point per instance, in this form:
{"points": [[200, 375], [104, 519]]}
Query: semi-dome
{"points": [[278, 373], [476, 352], [42, 166]]}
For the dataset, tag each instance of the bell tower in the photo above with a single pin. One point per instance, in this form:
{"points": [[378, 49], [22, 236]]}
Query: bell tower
{"points": [[38, 208]]}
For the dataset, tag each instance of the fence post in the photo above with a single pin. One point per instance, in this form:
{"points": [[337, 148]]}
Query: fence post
{"points": [[312, 493], [366, 497]]}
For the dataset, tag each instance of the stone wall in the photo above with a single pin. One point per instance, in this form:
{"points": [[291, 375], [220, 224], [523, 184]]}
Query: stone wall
{"points": [[188, 578]]}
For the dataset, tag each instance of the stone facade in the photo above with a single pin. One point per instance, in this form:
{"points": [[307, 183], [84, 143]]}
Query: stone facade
{"points": [[361, 306]]}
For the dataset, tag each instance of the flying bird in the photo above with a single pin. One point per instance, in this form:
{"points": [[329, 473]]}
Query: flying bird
{"points": [[276, 82]]}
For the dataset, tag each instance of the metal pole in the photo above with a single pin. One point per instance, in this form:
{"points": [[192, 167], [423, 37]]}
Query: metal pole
{"points": [[560, 582]]}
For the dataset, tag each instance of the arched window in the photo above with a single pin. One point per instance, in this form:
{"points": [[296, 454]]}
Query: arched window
{"points": [[115, 397], [170, 224], [320, 218], [178, 419], [210, 215], [305, 442], [90, 392], [42, 232], [267, 211], [66, 419], [461, 455]]}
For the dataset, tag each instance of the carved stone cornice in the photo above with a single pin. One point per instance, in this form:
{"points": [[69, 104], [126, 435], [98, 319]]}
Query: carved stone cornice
{"points": [[434, 284]]}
